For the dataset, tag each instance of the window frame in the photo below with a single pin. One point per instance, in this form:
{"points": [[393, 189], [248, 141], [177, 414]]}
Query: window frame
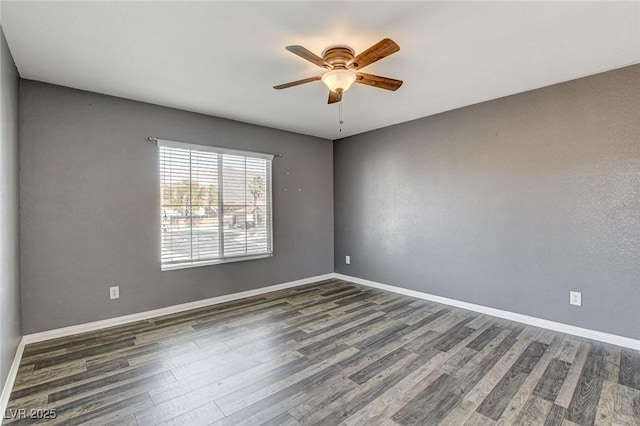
{"points": [[162, 143]]}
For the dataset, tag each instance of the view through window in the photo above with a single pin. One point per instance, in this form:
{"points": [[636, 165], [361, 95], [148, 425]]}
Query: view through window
{"points": [[216, 205]]}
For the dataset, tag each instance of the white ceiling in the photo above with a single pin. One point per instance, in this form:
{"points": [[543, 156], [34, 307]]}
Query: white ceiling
{"points": [[222, 58]]}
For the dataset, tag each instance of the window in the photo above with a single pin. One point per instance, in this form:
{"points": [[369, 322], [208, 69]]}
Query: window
{"points": [[215, 205]]}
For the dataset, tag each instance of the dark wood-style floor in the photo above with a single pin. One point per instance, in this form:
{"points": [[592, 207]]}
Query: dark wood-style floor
{"points": [[329, 353]]}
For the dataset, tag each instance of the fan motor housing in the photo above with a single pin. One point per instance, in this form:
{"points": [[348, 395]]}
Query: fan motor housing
{"points": [[338, 56]]}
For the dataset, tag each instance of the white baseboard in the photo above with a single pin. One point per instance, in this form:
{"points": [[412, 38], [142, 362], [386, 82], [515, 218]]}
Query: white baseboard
{"points": [[112, 322], [11, 378], [97, 325], [525, 319]]}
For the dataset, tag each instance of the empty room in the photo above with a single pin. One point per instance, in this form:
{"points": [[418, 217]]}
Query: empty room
{"points": [[320, 213]]}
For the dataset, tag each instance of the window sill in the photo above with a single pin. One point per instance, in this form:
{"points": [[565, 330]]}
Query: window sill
{"points": [[213, 262]]}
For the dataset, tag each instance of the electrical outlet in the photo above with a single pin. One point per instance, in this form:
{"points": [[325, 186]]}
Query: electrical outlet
{"points": [[347, 260], [575, 298], [114, 292]]}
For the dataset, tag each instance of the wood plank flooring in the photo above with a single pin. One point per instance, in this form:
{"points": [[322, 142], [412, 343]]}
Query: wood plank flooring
{"points": [[324, 354]]}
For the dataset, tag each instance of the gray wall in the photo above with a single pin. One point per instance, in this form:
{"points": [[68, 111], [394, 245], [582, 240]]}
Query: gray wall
{"points": [[509, 203], [90, 207], [10, 328]]}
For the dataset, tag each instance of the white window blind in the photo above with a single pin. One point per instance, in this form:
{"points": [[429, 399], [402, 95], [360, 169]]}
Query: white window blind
{"points": [[215, 205]]}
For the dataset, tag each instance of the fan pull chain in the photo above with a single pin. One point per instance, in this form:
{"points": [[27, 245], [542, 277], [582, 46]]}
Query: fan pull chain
{"points": [[340, 117]]}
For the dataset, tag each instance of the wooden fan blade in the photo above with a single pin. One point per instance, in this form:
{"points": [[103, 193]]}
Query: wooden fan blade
{"points": [[309, 56], [296, 83], [377, 81], [334, 97], [380, 50]]}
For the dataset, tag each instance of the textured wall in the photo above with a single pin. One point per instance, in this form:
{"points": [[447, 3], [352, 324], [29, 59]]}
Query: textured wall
{"points": [[10, 328], [90, 207], [509, 203]]}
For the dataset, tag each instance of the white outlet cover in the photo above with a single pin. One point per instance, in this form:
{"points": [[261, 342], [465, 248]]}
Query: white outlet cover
{"points": [[347, 260], [114, 292], [575, 298]]}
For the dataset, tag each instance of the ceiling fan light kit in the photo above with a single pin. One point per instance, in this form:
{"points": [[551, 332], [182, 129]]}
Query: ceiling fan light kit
{"points": [[342, 66], [339, 80]]}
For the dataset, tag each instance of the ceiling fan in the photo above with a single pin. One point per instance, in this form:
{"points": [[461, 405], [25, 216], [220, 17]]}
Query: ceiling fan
{"points": [[342, 66]]}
